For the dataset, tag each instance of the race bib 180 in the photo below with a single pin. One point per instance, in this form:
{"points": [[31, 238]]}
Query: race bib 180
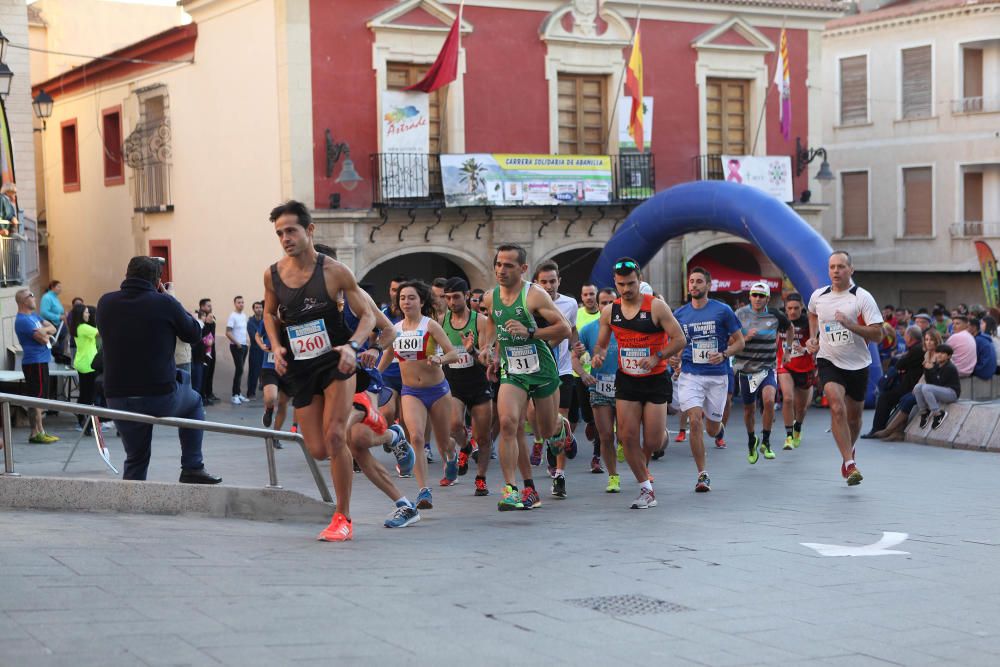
{"points": [[309, 340], [409, 345]]}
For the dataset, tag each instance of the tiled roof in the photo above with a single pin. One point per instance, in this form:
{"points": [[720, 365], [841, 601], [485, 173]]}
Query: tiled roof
{"points": [[820, 5], [904, 10]]}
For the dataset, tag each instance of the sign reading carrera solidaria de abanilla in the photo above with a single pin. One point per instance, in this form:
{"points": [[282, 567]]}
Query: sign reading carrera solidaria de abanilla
{"points": [[504, 179]]}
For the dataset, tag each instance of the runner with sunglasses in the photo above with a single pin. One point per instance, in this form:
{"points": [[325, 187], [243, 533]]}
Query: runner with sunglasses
{"points": [[647, 336]]}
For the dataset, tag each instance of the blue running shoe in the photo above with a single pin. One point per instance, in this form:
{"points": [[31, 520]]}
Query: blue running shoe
{"points": [[402, 516], [451, 470], [405, 458], [424, 499]]}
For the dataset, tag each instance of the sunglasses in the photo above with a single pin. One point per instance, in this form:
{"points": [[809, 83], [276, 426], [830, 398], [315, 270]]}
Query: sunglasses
{"points": [[628, 266], [762, 296]]}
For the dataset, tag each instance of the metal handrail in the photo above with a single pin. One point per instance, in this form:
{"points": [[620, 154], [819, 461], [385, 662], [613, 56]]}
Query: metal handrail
{"points": [[269, 436]]}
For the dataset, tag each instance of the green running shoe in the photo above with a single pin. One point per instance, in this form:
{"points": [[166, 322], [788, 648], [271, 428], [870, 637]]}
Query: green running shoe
{"points": [[752, 446], [765, 448], [511, 500], [614, 484], [796, 439], [789, 443], [620, 453]]}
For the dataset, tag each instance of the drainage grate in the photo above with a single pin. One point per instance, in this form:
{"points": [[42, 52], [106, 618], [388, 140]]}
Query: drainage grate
{"points": [[628, 605]]}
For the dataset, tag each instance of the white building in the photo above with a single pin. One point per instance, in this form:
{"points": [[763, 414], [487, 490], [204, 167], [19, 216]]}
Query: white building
{"points": [[914, 140]]}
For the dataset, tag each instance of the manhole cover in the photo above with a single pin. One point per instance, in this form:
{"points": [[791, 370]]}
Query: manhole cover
{"points": [[628, 605]]}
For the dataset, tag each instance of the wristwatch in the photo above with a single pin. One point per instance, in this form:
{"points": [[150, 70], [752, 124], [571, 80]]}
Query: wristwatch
{"points": [[377, 347], [531, 332], [354, 345]]}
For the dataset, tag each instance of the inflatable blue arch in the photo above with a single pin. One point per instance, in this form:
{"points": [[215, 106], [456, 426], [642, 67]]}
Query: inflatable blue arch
{"points": [[787, 240]]}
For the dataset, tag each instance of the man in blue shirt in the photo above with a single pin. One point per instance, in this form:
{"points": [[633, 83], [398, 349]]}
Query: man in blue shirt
{"points": [[255, 325], [34, 334], [986, 355], [713, 336]]}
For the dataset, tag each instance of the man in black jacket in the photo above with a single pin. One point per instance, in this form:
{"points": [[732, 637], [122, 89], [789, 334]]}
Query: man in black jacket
{"points": [[139, 326], [908, 371]]}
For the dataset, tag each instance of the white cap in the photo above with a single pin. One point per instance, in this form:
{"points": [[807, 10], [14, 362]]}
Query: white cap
{"points": [[760, 287], [645, 288]]}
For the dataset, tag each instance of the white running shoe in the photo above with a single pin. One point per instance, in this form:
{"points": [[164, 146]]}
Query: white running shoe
{"points": [[644, 500]]}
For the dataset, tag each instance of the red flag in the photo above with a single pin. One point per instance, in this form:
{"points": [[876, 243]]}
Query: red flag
{"points": [[445, 68], [633, 88]]}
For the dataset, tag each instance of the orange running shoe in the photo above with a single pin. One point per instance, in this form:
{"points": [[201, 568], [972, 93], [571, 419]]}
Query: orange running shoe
{"points": [[339, 530], [373, 418], [681, 436]]}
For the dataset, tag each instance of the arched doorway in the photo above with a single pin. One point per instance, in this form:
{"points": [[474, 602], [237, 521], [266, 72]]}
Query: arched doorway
{"points": [[574, 269], [734, 268], [424, 266]]}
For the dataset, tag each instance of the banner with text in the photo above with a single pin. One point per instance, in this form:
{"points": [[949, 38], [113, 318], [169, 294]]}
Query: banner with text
{"points": [[501, 179], [406, 142], [624, 112], [771, 174]]}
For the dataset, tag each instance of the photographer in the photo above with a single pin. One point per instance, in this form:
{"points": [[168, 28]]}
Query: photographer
{"points": [[139, 324]]}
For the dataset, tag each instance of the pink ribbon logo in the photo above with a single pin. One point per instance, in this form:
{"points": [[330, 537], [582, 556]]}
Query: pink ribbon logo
{"points": [[734, 172]]}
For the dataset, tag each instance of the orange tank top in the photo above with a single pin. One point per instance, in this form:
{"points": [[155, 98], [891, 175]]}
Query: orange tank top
{"points": [[638, 338]]}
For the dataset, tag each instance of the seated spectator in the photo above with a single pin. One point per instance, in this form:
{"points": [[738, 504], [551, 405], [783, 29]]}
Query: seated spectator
{"points": [[898, 420], [986, 356], [902, 376], [964, 345], [942, 322], [923, 320], [889, 315], [940, 387], [989, 327]]}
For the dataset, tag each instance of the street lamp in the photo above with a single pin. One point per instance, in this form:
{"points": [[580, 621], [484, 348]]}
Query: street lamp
{"points": [[349, 177], [42, 104], [3, 47], [803, 156], [6, 76]]}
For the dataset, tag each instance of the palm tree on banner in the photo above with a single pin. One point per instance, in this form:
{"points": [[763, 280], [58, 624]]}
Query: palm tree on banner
{"points": [[471, 173]]}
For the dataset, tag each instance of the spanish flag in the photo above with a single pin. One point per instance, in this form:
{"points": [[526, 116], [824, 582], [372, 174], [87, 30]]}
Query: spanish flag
{"points": [[633, 88]]}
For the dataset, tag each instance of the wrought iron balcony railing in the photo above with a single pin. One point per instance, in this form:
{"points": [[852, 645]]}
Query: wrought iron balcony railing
{"points": [[413, 180], [973, 229], [708, 168]]}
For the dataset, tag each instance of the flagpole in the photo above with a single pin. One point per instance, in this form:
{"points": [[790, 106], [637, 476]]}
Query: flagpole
{"points": [[767, 88], [443, 128], [621, 78]]}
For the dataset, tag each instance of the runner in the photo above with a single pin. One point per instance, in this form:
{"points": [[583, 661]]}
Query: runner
{"points": [[713, 336], [843, 319], [547, 276], [275, 392], [600, 383], [796, 372], [755, 365], [589, 312], [418, 337], [527, 367], [314, 351], [470, 389], [647, 336], [390, 376]]}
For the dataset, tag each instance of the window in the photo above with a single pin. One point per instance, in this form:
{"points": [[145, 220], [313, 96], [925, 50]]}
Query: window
{"points": [[972, 80], [401, 75], [972, 195], [147, 152], [854, 90], [70, 157], [111, 133], [854, 203], [918, 201], [916, 82], [727, 118], [582, 115], [161, 249]]}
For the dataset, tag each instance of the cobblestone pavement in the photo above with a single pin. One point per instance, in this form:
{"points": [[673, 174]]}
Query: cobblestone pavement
{"points": [[713, 579]]}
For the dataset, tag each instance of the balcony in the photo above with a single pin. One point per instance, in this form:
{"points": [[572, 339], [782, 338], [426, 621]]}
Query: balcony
{"points": [[414, 180], [708, 167], [972, 105], [968, 230]]}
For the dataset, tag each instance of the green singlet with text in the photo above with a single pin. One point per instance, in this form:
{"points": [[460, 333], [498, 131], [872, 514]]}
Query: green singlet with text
{"points": [[524, 363]]}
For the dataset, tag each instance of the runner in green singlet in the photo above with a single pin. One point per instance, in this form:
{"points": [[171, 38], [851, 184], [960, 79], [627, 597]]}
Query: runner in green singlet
{"points": [[526, 366]]}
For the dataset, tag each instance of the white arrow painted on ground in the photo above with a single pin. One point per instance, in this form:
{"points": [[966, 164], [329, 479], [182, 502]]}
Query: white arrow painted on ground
{"points": [[881, 548]]}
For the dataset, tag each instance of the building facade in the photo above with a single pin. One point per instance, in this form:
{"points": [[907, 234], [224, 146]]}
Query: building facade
{"points": [[914, 140]]}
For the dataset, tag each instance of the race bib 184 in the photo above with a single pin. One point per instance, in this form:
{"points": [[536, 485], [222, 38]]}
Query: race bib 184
{"points": [[606, 385]]}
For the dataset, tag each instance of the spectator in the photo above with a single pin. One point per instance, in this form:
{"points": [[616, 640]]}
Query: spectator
{"points": [[236, 332], [989, 327], [923, 320], [83, 331], [207, 319], [940, 387], [889, 315], [53, 311], [964, 346], [35, 336], [902, 376], [941, 321], [898, 420], [139, 326], [255, 325], [8, 210], [986, 356]]}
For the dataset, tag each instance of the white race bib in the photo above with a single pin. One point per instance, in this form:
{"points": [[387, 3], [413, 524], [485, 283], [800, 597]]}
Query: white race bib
{"points": [[309, 340], [465, 360], [409, 345], [754, 379], [701, 348], [522, 359], [270, 357], [836, 334], [629, 358], [606, 385], [794, 352]]}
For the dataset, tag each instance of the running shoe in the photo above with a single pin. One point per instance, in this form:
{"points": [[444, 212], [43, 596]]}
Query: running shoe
{"points": [[720, 441], [40, 439], [536, 453], [704, 483], [614, 484], [427, 452], [789, 443], [481, 488], [510, 500], [402, 517], [853, 475], [559, 486], [405, 457], [644, 500], [796, 439], [424, 499], [294, 429], [530, 498], [924, 418], [765, 449], [49, 437], [681, 436], [357, 468], [236, 400], [939, 419], [620, 452], [753, 455], [550, 459], [571, 449], [463, 463], [339, 530], [595, 466], [373, 418], [843, 466], [451, 471], [569, 442], [447, 482], [267, 418]]}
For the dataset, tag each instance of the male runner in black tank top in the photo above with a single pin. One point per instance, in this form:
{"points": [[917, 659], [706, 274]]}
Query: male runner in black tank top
{"points": [[313, 349]]}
